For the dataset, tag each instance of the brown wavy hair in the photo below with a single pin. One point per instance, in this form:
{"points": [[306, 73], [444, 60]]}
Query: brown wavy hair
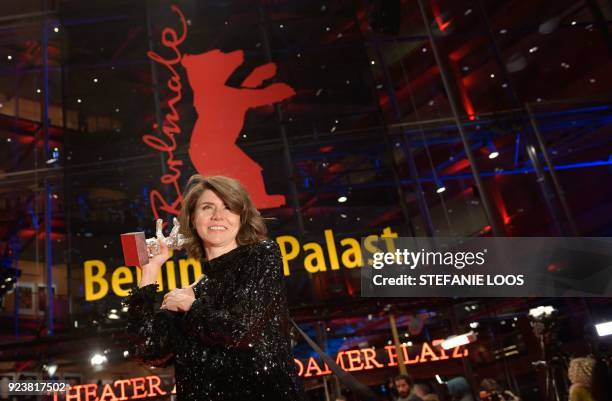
{"points": [[234, 195]]}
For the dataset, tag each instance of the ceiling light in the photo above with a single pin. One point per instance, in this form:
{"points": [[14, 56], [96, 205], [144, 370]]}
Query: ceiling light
{"points": [[604, 329], [459, 340], [51, 369], [493, 152], [342, 199], [541, 311], [98, 359], [439, 186]]}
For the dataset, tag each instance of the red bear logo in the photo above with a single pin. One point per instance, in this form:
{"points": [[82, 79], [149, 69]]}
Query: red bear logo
{"points": [[221, 111]]}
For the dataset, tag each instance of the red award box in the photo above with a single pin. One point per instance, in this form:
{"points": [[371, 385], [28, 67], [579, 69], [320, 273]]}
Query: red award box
{"points": [[135, 251]]}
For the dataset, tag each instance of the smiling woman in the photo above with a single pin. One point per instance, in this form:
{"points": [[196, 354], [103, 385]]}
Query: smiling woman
{"points": [[228, 334], [219, 211]]}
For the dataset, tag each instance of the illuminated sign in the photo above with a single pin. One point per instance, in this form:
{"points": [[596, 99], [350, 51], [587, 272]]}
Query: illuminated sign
{"points": [[316, 258], [120, 390], [221, 112], [368, 358], [351, 361], [170, 127]]}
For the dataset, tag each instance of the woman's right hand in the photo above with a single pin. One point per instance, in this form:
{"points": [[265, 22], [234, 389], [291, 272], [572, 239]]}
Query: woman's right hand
{"points": [[151, 270]]}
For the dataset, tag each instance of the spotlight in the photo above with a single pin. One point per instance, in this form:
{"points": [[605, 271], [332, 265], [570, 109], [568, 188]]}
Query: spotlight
{"points": [[604, 329], [459, 340], [342, 199], [98, 360], [56, 29], [541, 311], [8, 275], [51, 369], [439, 187], [493, 153]]}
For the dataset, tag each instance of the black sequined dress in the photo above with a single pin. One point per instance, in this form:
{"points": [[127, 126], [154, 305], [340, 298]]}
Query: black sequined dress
{"points": [[233, 344]]}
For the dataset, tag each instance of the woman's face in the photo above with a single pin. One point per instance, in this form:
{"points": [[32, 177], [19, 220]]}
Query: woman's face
{"points": [[215, 223]]}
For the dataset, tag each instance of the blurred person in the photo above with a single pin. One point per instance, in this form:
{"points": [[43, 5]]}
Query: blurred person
{"points": [[459, 389], [490, 390], [405, 391], [424, 392], [602, 381], [580, 374]]}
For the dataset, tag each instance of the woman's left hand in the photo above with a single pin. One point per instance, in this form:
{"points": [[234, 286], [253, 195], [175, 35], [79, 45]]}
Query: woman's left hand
{"points": [[178, 300]]}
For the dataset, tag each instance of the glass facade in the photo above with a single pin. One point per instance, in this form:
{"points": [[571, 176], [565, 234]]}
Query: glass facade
{"points": [[347, 119]]}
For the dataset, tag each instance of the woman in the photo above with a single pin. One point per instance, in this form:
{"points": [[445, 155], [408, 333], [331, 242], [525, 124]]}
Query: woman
{"points": [[227, 335], [580, 374]]}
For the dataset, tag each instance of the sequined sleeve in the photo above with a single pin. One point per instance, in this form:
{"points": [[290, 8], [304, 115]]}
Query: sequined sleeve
{"points": [[150, 332], [237, 323]]}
